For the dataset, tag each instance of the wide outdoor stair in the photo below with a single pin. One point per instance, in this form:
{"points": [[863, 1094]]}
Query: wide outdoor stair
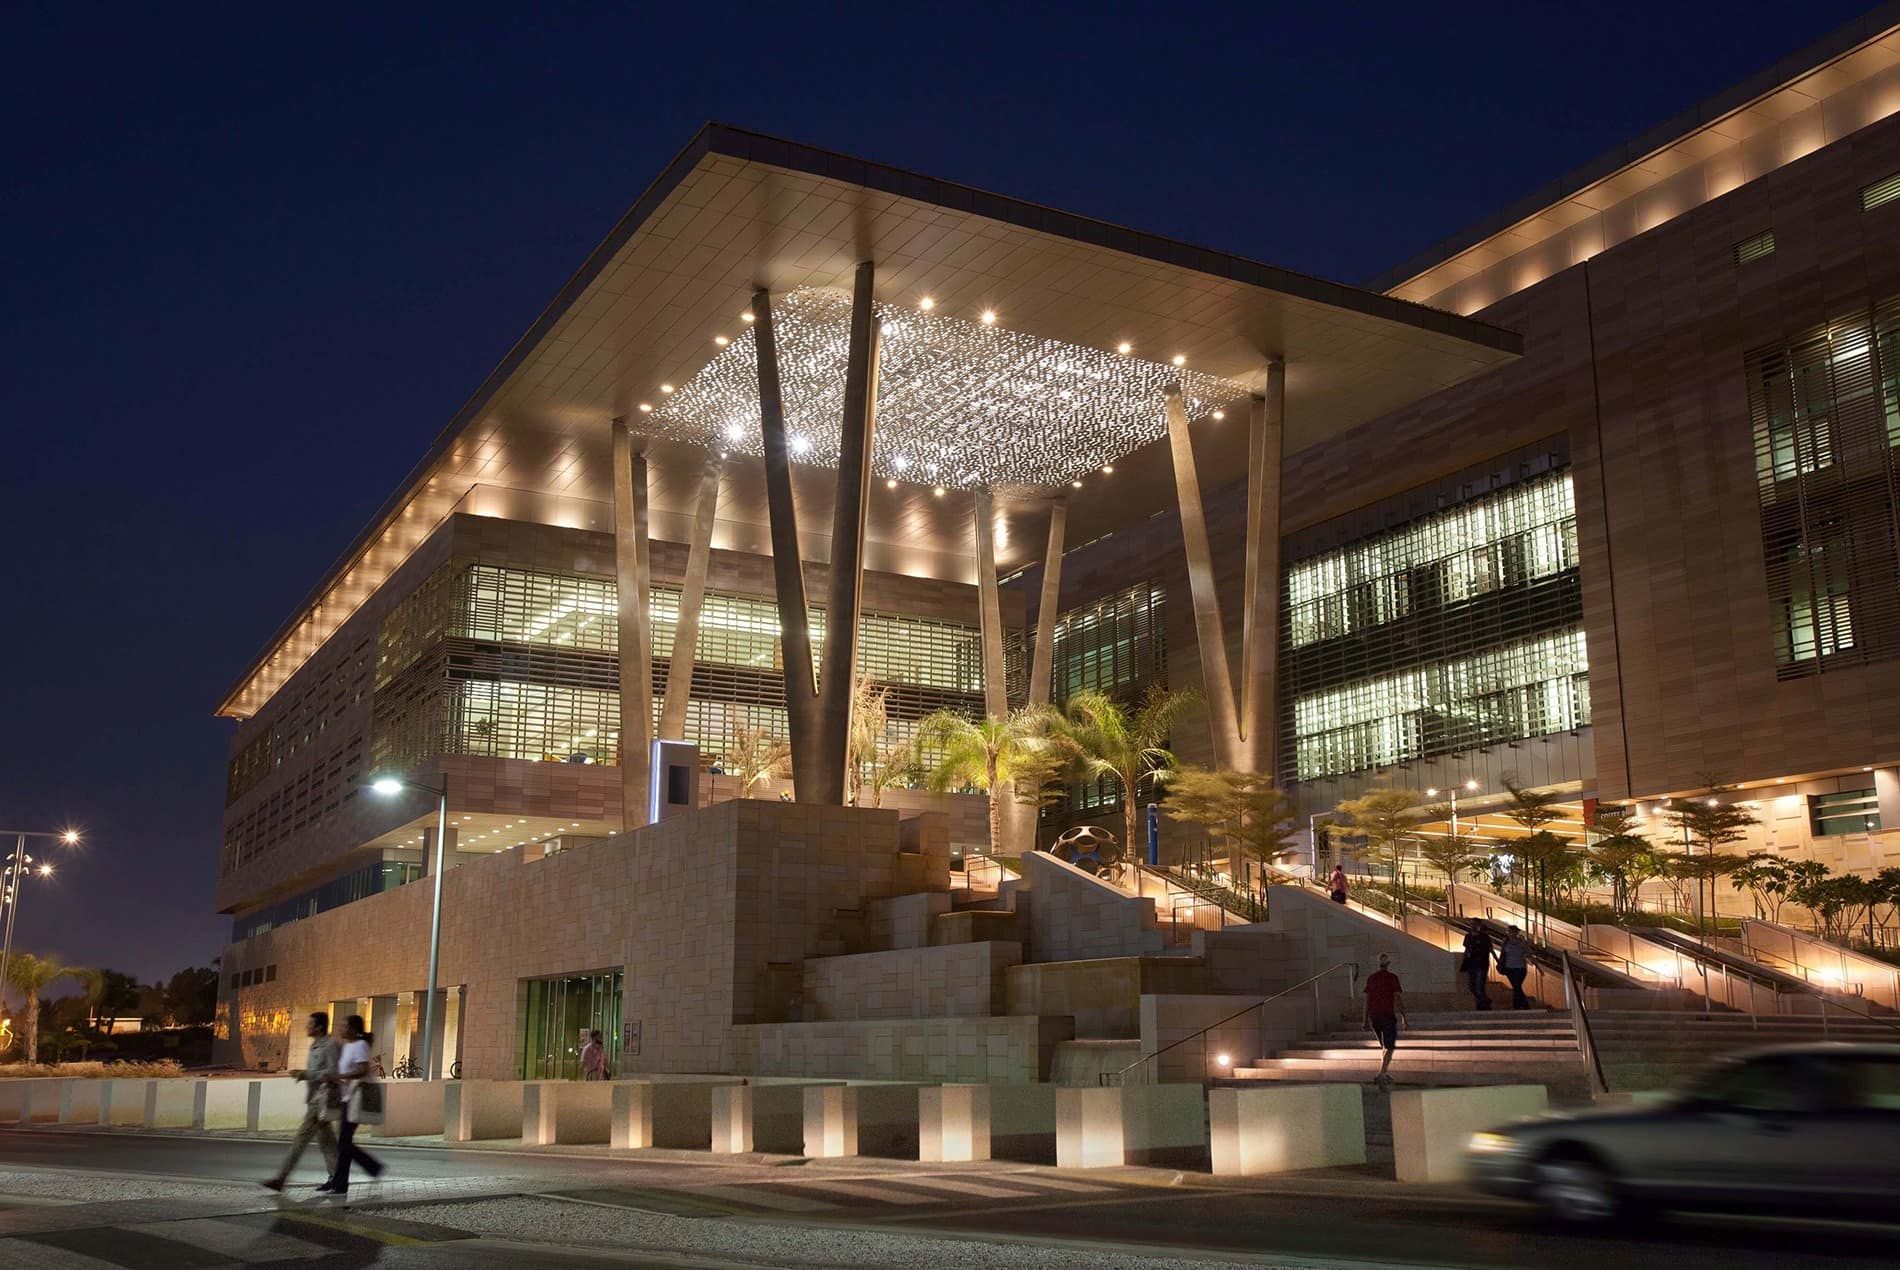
{"points": [[1653, 1049], [1437, 1049]]}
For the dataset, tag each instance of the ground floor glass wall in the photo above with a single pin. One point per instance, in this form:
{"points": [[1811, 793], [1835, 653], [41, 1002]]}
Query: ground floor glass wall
{"points": [[557, 1014]]}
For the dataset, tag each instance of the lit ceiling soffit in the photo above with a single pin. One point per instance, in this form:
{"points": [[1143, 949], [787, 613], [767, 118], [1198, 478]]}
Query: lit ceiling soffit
{"points": [[959, 404]]}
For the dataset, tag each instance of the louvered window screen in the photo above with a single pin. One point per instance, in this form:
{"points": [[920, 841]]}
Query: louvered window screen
{"points": [[1880, 193], [1762, 244], [1825, 409]]}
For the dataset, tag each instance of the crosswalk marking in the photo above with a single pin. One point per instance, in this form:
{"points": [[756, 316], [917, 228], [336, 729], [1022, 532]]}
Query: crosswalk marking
{"points": [[956, 1186], [238, 1241], [768, 1199], [811, 1194]]}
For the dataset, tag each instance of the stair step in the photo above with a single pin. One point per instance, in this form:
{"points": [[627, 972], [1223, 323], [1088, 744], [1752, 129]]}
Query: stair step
{"points": [[1492, 1061], [1408, 1040]]}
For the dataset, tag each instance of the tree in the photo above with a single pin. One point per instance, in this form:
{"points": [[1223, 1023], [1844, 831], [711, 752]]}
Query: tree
{"points": [[1453, 854], [1244, 809], [1839, 902], [876, 761], [1620, 855], [1710, 822], [1773, 880], [191, 996], [1886, 889], [1127, 748], [754, 757], [1382, 819], [1545, 858], [31, 975], [986, 754]]}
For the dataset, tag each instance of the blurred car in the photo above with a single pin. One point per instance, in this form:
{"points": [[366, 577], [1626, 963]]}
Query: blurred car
{"points": [[1807, 1128]]}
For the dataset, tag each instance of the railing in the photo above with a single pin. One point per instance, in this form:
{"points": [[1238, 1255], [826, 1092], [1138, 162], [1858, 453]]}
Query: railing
{"points": [[1580, 1023], [1228, 898], [1775, 993], [981, 872], [1351, 967]]}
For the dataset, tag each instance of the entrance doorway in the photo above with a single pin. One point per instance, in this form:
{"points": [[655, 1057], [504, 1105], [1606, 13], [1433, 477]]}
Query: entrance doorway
{"points": [[556, 1016]]}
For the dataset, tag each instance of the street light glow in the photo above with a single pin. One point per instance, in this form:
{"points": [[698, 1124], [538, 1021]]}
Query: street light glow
{"points": [[46, 870], [386, 785], [70, 837]]}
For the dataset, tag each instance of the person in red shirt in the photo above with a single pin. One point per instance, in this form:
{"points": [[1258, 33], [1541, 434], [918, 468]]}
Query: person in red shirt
{"points": [[1385, 1011]]}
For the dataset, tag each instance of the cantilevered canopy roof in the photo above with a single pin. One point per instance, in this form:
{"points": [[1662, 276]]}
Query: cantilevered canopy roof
{"points": [[655, 317]]}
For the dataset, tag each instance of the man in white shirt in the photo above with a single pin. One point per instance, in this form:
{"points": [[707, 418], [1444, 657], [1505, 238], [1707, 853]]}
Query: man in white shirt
{"points": [[318, 1074], [352, 1071]]}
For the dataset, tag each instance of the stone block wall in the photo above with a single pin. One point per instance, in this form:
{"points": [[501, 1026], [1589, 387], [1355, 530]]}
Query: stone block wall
{"points": [[903, 921], [1102, 996], [1074, 915], [959, 981], [1000, 1050]]}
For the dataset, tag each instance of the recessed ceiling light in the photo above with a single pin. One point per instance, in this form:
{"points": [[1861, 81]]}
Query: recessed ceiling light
{"points": [[734, 432], [989, 317], [801, 444], [721, 340], [890, 484], [746, 316], [1124, 348], [1077, 483], [1219, 415], [669, 387], [646, 407], [926, 304], [901, 462], [1180, 359], [1108, 469], [939, 493]]}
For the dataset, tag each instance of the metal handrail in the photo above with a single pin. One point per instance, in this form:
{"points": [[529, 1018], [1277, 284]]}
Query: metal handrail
{"points": [[1580, 1023], [1205, 891], [1115, 1077], [1775, 992]]}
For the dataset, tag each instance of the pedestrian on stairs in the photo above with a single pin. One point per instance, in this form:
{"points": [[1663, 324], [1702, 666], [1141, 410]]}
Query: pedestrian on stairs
{"points": [[1514, 960], [1385, 1012], [1477, 965], [1337, 884]]}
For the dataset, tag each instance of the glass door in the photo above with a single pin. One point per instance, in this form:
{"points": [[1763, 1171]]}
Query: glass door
{"points": [[557, 1015]]}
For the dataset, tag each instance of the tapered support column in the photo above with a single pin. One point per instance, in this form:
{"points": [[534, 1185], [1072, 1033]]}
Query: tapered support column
{"points": [[788, 569], [1260, 638], [820, 712], [633, 580], [1042, 657], [1209, 632], [680, 666], [1241, 714], [989, 607]]}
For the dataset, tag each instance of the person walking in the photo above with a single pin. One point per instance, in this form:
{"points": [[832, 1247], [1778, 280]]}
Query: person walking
{"points": [[594, 1057], [1385, 1012], [1514, 960], [1337, 884], [352, 1076], [317, 1073], [1477, 965]]}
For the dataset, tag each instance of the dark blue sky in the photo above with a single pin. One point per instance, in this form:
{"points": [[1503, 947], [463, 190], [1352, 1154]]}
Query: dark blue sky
{"points": [[256, 261]]}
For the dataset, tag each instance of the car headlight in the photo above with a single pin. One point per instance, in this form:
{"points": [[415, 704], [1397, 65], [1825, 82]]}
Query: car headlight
{"points": [[1490, 1143]]}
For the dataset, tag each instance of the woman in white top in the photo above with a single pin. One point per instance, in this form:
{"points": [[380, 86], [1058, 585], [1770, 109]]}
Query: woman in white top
{"points": [[352, 1072]]}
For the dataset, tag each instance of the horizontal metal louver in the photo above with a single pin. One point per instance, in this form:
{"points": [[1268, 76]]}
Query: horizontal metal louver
{"points": [[1755, 248], [1880, 193]]}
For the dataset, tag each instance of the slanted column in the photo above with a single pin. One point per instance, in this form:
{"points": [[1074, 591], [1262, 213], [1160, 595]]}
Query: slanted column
{"points": [[1042, 656], [633, 581], [1209, 633], [680, 666], [850, 507], [788, 569], [1260, 640], [989, 607]]}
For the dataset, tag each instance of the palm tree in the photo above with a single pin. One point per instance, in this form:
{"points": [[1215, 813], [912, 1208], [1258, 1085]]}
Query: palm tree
{"points": [[987, 753], [1125, 747], [754, 756], [31, 975]]}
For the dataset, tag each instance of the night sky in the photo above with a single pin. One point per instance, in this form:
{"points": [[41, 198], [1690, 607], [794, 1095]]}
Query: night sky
{"points": [[256, 262]]}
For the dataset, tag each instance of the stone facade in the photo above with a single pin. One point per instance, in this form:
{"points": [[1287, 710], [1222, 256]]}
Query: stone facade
{"points": [[1074, 915]]}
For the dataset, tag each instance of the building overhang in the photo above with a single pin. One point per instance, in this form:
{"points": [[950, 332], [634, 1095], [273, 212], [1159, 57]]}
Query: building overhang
{"points": [[737, 211]]}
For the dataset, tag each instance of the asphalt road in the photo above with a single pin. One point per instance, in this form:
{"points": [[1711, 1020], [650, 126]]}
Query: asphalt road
{"points": [[482, 1208]]}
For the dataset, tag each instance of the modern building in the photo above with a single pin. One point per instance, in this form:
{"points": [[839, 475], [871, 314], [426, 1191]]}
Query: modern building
{"points": [[1599, 497]]}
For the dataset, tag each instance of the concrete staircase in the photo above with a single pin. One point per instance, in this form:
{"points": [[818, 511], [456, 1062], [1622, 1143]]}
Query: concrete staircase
{"points": [[1653, 1049], [1467, 1048]]}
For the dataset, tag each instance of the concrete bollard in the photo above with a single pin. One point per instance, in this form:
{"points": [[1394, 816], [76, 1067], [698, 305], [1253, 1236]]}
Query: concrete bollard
{"points": [[412, 1108], [1430, 1127], [1283, 1128], [122, 1102], [226, 1104], [80, 1101], [278, 1102], [172, 1104], [831, 1122], [953, 1123], [682, 1111], [558, 1111], [731, 1119], [26, 1099], [1138, 1124], [477, 1110], [631, 1127]]}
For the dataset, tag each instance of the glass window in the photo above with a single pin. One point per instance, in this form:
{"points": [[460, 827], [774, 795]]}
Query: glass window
{"points": [[556, 1016], [1774, 1082], [1846, 811]]}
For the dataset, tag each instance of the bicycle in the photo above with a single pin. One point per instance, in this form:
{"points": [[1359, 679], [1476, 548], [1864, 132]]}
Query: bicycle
{"points": [[406, 1069]]}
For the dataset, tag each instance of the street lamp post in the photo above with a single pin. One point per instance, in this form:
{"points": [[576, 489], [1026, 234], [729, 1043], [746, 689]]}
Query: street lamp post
{"points": [[14, 874], [390, 785]]}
